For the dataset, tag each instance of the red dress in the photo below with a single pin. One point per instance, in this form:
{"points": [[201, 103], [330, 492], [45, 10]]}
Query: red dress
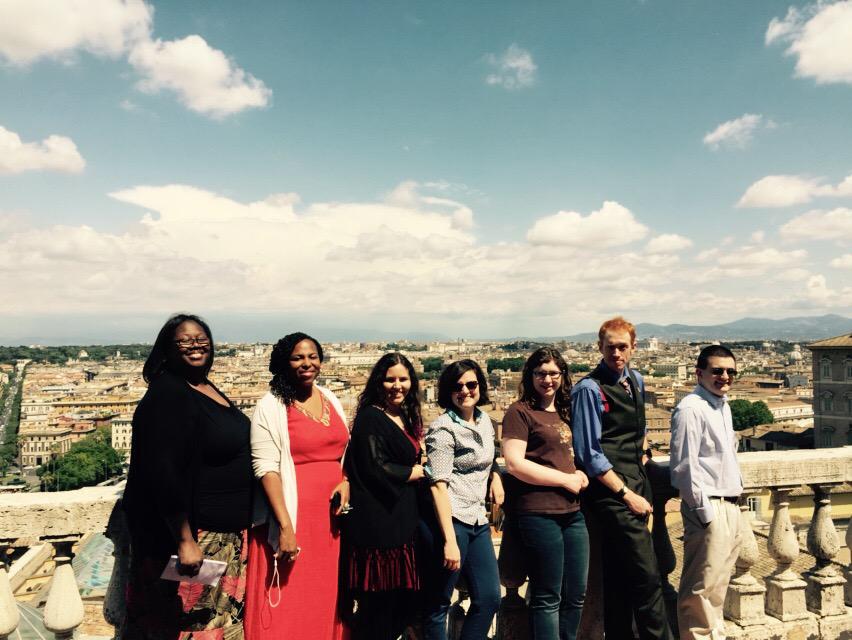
{"points": [[308, 597]]}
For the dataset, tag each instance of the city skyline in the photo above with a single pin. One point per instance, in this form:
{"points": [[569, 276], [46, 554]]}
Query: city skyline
{"points": [[421, 169]]}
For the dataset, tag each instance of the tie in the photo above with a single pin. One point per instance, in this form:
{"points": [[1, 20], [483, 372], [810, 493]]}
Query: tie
{"points": [[626, 385]]}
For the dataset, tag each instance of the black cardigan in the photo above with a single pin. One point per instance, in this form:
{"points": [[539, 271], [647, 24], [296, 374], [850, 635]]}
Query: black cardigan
{"points": [[378, 464], [190, 456]]}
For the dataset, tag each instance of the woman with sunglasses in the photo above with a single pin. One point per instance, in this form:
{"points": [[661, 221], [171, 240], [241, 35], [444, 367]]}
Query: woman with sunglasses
{"points": [[298, 436], [188, 494], [460, 448], [542, 496], [382, 464]]}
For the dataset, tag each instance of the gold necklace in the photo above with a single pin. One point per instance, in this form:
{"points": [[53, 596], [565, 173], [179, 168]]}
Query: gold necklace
{"points": [[324, 420]]}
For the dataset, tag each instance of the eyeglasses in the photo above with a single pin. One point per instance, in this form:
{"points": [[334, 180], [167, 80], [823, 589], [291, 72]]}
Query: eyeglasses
{"points": [[470, 386], [717, 371], [541, 375], [186, 343]]}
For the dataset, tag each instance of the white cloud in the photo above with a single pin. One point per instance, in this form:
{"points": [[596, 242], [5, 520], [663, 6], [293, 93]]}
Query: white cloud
{"points": [[34, 29], [513, 69], [820, 38], [758, 236], [54, 153], [737, 133], [611, 226], [402, 263], [788, 190], [842, 262], [204, 79], [835, 224], [668, 243]]}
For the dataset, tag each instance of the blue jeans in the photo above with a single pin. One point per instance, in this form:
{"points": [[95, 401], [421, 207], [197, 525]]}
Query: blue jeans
{"points": [[556, 552], [479, 566]]}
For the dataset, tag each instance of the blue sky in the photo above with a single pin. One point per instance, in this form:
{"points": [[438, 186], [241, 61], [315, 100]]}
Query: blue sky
{"points": [[474, 169]]}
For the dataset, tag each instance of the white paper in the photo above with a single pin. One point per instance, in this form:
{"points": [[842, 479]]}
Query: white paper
{"points": [[209, 573]]}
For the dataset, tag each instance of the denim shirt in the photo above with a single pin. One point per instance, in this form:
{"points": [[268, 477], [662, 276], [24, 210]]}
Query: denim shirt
{"points": [[462, 455]]}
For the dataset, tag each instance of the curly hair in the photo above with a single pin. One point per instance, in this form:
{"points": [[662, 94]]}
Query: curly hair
{"points": [[374, 392], [160, 358], [282, 383], [527, 391], [451, 374]]}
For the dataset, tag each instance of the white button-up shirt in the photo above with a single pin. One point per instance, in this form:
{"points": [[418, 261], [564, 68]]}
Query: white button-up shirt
{"points": [[704, 452]]}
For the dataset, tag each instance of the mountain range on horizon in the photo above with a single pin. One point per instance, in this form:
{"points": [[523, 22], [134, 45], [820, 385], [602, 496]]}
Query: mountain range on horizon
{"points": [[802, 329]]}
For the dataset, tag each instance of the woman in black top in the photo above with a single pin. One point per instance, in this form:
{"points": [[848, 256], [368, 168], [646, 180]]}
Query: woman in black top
{"points": [[189, 491], [382, 464]]}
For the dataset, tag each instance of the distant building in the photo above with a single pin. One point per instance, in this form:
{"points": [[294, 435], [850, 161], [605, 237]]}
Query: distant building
{"points": [[122, 434], [676, 370], [832, 375]]}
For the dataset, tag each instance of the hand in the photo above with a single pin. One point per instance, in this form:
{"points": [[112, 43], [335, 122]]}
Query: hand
{"points": [[575, 483], [497, 493], [189, 558], [416, 473], [637, 504], [452, 556], [343, 490], [287, 546]]}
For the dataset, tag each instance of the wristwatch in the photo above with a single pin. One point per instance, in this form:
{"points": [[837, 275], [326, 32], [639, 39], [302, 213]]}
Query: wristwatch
{"points": [[648, 453], [621, 492]]}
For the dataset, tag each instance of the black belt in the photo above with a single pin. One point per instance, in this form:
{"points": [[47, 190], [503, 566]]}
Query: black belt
{"points": [[731, 499]]}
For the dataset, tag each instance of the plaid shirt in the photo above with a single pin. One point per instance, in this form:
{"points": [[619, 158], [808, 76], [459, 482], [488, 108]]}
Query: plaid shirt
{"points": [[462, 455]]}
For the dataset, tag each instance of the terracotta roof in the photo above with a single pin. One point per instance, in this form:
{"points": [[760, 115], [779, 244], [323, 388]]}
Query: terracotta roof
{"points": [[833, 343]]}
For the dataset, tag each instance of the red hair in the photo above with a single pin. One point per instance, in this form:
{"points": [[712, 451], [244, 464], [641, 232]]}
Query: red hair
{"points": [[618, 323]]}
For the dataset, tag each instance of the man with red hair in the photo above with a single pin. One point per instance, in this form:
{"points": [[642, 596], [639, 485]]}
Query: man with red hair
{"points": [[608, 420]]}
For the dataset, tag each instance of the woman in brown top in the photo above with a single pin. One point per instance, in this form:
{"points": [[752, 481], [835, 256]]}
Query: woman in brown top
{"points": [[542, 496]]}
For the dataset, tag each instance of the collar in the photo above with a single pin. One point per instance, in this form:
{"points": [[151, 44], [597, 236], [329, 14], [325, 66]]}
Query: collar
{"points": [[611, 376], [712, 399], [477, 416]]}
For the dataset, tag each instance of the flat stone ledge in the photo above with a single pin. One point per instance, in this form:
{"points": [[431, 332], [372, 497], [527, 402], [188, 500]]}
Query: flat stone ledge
{"points": [[27, 519], [762, 469]]}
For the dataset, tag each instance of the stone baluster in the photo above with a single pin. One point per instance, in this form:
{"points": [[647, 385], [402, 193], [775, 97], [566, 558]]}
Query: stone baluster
{"points": [[848, 586], [666, 559], [744, 598], [9, 616], [114, 599], [63, 611], [455, 616], [512, 617], [824, 593], [785, 590]]}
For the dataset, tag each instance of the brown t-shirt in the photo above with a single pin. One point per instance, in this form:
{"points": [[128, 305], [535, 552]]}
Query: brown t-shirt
{"points": [[549, 444]]}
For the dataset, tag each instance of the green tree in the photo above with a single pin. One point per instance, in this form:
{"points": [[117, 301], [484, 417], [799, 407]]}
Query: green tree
{"points": [[506, 364], [578, 368], [747, 414], [432, 364], [89, 461]]}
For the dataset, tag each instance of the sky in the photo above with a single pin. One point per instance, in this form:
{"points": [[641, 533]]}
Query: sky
{"points": [[465, 169]]}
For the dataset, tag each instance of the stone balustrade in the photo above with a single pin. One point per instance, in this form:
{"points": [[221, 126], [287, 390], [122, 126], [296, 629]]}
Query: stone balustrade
{"points": [[790, 602]]}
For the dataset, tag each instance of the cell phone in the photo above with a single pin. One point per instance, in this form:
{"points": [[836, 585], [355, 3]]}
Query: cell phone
{"points": [[335, 505]]}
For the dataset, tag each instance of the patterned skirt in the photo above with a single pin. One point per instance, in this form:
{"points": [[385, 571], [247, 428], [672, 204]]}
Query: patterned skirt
{"points": [[160, 609]]}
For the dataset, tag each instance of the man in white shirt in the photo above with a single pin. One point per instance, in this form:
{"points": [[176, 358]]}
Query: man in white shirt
{"points": [[705, 470]]}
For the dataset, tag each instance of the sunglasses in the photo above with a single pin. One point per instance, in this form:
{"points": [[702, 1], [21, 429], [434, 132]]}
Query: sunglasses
{"points": [[470, 386], [717, 371]]}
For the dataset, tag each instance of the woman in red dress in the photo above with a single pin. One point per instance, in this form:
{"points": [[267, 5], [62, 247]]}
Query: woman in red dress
{"points": [[298, 437]]}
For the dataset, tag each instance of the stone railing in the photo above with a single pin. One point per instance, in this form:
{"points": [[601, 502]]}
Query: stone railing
{"points": [[786, 604], [61, 519]]}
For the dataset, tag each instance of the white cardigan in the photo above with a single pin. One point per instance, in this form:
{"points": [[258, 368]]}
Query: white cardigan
{"points": [[270, 451]]}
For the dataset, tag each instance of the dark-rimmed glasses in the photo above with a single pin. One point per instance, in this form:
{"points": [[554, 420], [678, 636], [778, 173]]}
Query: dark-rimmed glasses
{"points": [[470, 386], [717, 371], [541, 375], [186, 343]]}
